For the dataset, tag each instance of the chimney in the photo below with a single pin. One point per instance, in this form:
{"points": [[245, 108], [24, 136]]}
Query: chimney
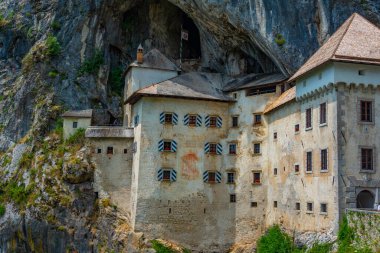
{"points": [[140, 54]]}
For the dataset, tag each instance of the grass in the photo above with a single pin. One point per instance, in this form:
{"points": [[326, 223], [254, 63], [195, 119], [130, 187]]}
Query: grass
{"points": [[2, 210], [53, 48], [77, 138], [274, 241], [280, 40], [3, 21], [53, 74], [160, 248], [92, 65], [17, 193]]}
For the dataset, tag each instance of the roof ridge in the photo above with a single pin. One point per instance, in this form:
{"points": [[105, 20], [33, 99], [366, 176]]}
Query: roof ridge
{"points": [[345, 32]]}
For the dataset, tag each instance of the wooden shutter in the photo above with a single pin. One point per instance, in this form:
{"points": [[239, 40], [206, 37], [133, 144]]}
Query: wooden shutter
{"points": [[162, 117], [199, 120], [175, 118], [173, 176], [205, 176], [207, 148], [219, 122], [207, 121], [160, 175], [219, 149], [186, 120], [218, 176], [174, 146], [161, 145]]}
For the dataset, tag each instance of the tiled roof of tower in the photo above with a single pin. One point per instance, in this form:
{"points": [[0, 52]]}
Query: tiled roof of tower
{"points": [[154, 59], [284, 98], [78, 114], [201, 86], [357, 40]]}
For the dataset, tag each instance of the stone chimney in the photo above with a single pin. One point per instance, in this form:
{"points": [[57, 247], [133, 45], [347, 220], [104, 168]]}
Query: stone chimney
{"points": [[140, 54]]}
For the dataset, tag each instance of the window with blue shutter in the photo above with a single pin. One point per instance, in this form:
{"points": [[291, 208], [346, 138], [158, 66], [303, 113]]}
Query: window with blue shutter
{"points": [[213, 148], [167, 175], [193, 120], [212, 177], [169, 118], [213, 121], [167, 146]]}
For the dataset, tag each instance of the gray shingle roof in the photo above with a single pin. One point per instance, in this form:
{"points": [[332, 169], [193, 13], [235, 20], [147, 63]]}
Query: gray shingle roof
{"points": [[254, 80], [78, 114], [154, 59]]}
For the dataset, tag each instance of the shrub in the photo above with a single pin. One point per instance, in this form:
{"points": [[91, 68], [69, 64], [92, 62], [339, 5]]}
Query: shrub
{"points": [[26, 160], [53, 47], [2, 210], [320, 248], [160, 248], [274, 241], [1, 98], [280, 40], [53, 74], [17, 193], [55, 25], [92, 65], [58, 128], [3, 21], [116, 80], [345, 237], [77, 138]]}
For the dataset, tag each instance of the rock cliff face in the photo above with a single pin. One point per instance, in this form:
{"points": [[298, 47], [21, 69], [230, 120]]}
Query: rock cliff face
{"points": [[69, 54]]}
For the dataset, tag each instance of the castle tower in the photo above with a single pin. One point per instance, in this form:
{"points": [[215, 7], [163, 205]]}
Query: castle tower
{"points": [[140, 54]]}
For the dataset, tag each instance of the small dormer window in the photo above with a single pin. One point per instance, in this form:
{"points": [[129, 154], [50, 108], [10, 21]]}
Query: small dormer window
{"points": [[361, 72]]}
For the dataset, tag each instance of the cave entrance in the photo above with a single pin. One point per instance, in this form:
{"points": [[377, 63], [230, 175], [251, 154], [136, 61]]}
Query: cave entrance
{"points": [[365, 199], [157, 24]]}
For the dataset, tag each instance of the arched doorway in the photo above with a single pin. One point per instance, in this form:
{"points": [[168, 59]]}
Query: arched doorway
{"points": [[365, 199]]}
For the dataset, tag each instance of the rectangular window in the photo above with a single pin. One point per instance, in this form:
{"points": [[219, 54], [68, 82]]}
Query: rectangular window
{"points": [[323, 208], [166, 175], [253, 204], [309, 206], [298, 206], [211, 177], [324, 160], [361, 72], [213, 148], [366, 111], [256, 148], [308, 118], [75, 124], [192, 120], [275, 204], [275, 135], [230, 177], [296, 128], [235, 121], [322, 114], [213, 120], [257, 119], [167, 146], [309, 161], [256, 178], [109, 150], [233, 198], [275, 171], [232, 148], [296, 168], [125, 151], [367, 159], [168, 118], [99, 151]]}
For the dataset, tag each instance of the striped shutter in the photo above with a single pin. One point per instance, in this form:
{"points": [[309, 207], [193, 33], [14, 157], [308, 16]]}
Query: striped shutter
{"points": [[207, 147], [162, 117], [207, 121], [160, 175], [219, 122], [173, 176], [199, 120], [219, 149], [205, 176], [218, 177], [174, 146], [161, 145], [186, 120], [175, 118]]}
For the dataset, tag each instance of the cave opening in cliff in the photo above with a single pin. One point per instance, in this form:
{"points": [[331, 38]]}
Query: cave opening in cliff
{"points": [[157, 24]]}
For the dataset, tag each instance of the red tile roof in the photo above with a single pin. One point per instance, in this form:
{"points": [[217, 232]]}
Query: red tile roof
{"points": [[357, 40], [284, 98]]}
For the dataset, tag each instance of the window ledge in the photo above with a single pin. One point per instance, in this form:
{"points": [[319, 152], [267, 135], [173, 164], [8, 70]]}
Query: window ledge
{"points": [[368, 171], [309, 129], [323, 213], [323, 125], [296, 133], [256, 183], [309, 212], [309, 172], [231, 183], [256, 154], [366, 123], [324, 171]]}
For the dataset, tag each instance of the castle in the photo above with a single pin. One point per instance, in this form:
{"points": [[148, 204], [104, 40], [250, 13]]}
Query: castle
{"points": [[210, 162]]}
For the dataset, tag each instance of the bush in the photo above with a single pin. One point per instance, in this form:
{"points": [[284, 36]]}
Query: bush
{"points": [[55, 25], [116, 80], [26, 160], [17, 193], [280, 40], [53, 47], [320, 248], [160, 248], [92, 65], [53, 74], [274, 241], [2, 210], [77, 138], [3, 21]]}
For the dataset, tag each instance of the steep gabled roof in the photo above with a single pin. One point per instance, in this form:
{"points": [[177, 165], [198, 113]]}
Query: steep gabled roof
{"points": [[154, 59], [200, 86], [254, 80], [284, 98], [357, 40], [78, 114]]}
